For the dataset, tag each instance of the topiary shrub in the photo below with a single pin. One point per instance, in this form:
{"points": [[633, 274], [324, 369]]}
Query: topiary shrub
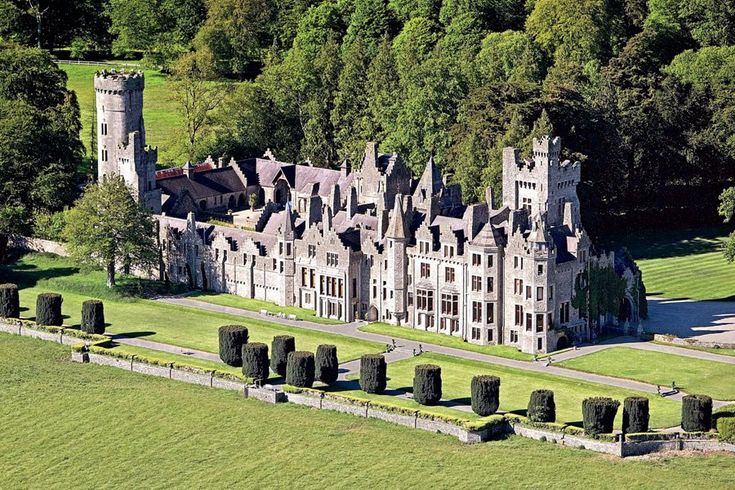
{"points": [[48, 309], [231, 340], [485, 390], [93, 316], [427, 384], [541, 406], [726, 428], [372, 373], [9, 301], [300, 369], [635, 414], [280, 348], [327, 365], [598, 415], [696, 413], [255, 361]]}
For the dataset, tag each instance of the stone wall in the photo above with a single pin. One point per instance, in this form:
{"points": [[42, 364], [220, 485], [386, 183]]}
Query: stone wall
{"points": [[29, 244], [671, 339]]}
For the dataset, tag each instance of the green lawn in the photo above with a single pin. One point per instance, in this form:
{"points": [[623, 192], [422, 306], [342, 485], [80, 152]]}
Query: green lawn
{"points": [[516, 386], [185, 327], [445, 340], [162, 119], [683, 263], [85, 426], [713, 350], [235, 301], [691, 375]]}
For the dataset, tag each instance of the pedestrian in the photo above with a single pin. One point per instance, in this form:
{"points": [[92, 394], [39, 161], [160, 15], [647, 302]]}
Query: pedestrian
{"points": [[658, 390], [394, 343], [673, 386], [421, 349], [414, 351]]}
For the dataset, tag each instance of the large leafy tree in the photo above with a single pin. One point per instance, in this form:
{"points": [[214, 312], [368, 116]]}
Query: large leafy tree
{"points": [[39, 138], [107, 228]]}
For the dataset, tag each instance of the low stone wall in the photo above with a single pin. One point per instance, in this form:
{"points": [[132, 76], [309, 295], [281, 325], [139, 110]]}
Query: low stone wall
{"points": [[29, 244], [671, 339], [25, 328]]}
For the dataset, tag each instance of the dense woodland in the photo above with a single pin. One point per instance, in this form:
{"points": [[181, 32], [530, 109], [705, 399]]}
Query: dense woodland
{"points": [[641, 91]]}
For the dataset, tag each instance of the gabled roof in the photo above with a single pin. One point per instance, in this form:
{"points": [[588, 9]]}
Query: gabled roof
{"points": [[203, 184]]}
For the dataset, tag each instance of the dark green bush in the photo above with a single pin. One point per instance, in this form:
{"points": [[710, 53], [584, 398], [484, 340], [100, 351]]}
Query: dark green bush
{"points": [[427, 384], [598, 415], [696, 413], [255, 361], [300, 369], [9, 301], [280, 348], [372, 373], [635, 414], [48, 309], [541, 406], [327, 365], [231, 340], [93, 317], [485, 390]]}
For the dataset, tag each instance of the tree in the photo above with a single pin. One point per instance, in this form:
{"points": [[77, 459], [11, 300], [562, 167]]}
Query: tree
{"points": [[107, 227], [195, 95]]}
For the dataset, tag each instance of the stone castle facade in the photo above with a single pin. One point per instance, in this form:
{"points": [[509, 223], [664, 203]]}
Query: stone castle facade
{"points": [[374, 243]]}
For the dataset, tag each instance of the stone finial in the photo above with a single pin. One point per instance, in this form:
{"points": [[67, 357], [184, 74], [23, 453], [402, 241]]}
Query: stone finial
{"points": [[344, 169], [287, 229], [397, 225], [269, 155]]}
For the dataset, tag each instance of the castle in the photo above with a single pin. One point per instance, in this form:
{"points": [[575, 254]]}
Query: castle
{"points": [[372, 243]]}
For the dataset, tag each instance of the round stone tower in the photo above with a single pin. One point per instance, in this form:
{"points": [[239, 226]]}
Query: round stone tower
{"points": [[121, 147]]}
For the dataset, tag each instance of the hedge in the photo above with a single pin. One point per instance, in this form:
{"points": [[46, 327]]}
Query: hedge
{"points": [[255, 361], [231, 340], [485, 394], [635, 414], [327, 365], [372, 373], [598, 415], [726, 429], [722, 412], [93, 317], [696, 413], [541, 406], [48, 309], [281, 346], [300, 369], [427, 384], [9, 301]]}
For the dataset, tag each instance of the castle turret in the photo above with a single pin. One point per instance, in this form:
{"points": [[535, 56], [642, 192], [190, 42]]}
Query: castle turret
{"points": [[286, 253], [121, 135], [396, 239]]}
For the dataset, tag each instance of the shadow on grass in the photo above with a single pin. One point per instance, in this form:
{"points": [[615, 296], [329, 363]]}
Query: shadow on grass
{"points": [[670, 243], [132, 335]]}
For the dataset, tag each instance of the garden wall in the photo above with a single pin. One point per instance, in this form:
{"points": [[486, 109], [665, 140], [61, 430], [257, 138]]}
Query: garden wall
{"points": [[671, 339], [29, 244]]}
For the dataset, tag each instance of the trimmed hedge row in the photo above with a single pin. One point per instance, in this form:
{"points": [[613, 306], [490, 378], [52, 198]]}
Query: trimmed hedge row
{"points": [[635, 414], [541, 406], [726, 429], [598, 415], [48, 309], [231, 340], [9, 301], [255, 361], [327, 365]]}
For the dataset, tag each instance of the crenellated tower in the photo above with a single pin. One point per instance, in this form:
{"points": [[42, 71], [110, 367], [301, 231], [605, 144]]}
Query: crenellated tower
{"points": [[121, 135]]}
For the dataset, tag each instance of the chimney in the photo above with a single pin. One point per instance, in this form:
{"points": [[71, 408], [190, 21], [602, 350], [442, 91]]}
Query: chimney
{"points": [[188, 169]]}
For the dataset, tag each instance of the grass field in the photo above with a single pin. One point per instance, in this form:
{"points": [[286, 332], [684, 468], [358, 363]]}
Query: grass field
{"points": [[683, 263], [85, 426], [713, 350], [185, 327], [257, 305], [691, 375], [445, 340], [515, 388], [162, 119]]}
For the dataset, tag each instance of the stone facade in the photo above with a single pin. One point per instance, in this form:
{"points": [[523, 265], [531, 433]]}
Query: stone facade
{"points": [[373, 243]]}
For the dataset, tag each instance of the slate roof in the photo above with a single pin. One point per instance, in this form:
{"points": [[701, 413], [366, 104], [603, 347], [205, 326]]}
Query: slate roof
{"points": [[203, 184]]}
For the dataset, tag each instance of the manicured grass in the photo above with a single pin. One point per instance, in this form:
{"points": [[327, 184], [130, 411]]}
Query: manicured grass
{"points": [[235, 301], [163, 121], [127, 314], [516, 386], [85, 426], [440, 339], [683, 263], [722, 352], [690, 374]]}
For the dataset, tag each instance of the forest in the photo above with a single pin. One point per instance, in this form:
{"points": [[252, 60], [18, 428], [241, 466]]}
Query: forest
{"points": [[640, 91]]}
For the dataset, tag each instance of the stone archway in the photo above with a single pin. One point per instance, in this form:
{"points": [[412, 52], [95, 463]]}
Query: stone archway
{"points": [[231, 202], [241, 201], [372, 314], [563, 343], [625, 312]]}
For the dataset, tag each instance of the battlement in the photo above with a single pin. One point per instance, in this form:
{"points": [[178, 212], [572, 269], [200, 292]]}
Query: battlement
{"points": [[116, 82]]}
